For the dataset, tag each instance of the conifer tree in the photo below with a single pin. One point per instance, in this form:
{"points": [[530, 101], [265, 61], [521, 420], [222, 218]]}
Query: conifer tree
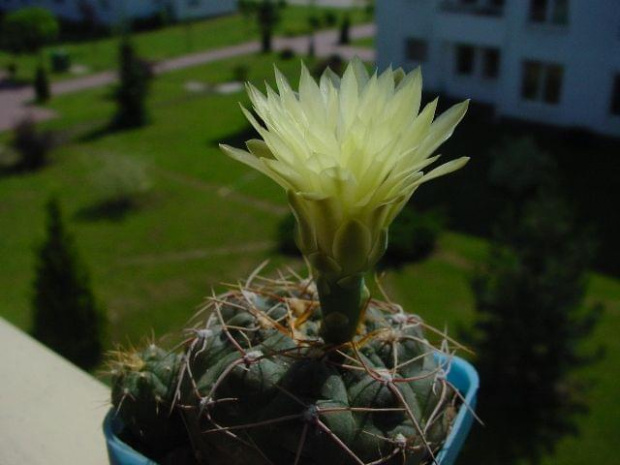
{"points": [[132, 90], [268, 16], [41, 85], [531, 324], [67, 317]]}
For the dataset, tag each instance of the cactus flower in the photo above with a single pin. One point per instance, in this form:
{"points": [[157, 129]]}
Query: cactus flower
{"points": [[349, 152]]}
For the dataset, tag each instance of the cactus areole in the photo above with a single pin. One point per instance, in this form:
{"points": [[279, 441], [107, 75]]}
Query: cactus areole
{"points": [[311, 371]]}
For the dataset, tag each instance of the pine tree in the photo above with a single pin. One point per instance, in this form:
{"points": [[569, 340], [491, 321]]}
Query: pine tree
{"points": [[67, 317], [268, 16], [132, 90], [41, 85], [345, 28], [530, 327]]}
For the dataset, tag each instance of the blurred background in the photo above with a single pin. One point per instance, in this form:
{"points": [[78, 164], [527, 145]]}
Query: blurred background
{"points": [[119, 214]]}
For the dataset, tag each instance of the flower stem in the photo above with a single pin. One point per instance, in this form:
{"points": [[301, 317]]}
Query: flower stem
{"points": [[342, 302]]}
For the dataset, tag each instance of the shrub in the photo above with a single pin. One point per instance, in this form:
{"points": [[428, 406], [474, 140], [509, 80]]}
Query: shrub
{"points": [[241, 73], [330, 18], [122, 183], [41, 85], [519, 167], [413, 236], [334, 62], [31, 145], [27, 30], [287, 54], [60, 61], [11, 70], [66, 315]]}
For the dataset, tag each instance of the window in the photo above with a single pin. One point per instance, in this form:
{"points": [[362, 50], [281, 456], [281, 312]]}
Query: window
{"points": [[549, 11], [465, 60], [416, 49], [490, 63], [615, 96], [542, 82]]}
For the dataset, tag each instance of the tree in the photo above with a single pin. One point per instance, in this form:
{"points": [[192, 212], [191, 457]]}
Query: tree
{"points": [[41, 85], [132, 91], [32, 146], [531, 324], [27, 30], [67, 317], [345, 28], [268, 16]]}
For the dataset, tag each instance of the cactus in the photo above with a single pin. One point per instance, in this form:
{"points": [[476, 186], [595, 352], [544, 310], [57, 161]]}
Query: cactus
{"points": [[314, 371], [256, 384]]}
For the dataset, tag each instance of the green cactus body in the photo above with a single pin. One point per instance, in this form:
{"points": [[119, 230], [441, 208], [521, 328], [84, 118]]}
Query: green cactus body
{"points": [[142, 393], [257, 385]]}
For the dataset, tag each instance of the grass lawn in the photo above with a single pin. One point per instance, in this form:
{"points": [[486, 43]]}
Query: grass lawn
{"points": [[364, 42], [173, 41], [209, 220]]}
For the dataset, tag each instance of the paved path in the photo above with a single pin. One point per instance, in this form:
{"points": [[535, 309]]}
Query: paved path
{"points": [[14, 102]]}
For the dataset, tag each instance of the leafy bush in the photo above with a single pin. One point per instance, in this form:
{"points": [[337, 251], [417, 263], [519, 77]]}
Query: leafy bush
{"points": [[122, 183], [287, 54], [241, 73], [413, 236], [333, 62], [519, 167], [330, 18], [11, 71], [60, 61], [27, 30], [32, 146]]}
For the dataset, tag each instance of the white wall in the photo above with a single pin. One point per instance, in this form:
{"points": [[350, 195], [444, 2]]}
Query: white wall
{"points": [[186, 9], [112, 11], [588, 48]]}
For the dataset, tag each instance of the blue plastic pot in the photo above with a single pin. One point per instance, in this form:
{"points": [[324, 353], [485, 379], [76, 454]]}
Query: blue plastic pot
{"points": [[462, 375]]}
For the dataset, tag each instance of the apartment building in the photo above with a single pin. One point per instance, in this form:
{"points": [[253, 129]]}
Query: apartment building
{"points": [[549, 61], [110, 12]]}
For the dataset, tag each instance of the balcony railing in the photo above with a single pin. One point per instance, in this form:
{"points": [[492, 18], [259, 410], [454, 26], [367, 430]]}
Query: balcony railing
{"points": [[479, 9], [51, 410]]}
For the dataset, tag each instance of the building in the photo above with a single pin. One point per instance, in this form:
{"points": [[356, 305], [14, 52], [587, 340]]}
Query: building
{"points": [[549, 61], [110, 12]]}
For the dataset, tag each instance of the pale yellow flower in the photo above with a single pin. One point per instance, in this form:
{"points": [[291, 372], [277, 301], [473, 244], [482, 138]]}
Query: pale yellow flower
{"points": [[350, 153]]}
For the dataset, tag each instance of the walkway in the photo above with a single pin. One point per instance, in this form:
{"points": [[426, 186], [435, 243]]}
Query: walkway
{"points": [[14, 102]]}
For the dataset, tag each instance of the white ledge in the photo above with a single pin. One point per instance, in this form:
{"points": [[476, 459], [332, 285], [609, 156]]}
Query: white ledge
{"points": [[50, 411]]}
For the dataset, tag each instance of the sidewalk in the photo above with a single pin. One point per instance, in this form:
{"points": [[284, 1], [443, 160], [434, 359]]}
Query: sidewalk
{"points": [[14, 102]]}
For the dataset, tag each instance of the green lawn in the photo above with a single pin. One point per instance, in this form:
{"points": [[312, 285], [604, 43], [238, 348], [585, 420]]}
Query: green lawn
{"points": [[368, 42], [152, 268], [173, 41]]}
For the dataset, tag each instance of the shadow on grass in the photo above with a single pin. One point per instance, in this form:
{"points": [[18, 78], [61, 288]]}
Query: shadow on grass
{"points": [[108, 210], [236, 139], [14, 84], [107, 129]]}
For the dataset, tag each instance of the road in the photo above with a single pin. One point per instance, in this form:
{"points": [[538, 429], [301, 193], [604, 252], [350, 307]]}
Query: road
{"points": [[14, 103]]}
